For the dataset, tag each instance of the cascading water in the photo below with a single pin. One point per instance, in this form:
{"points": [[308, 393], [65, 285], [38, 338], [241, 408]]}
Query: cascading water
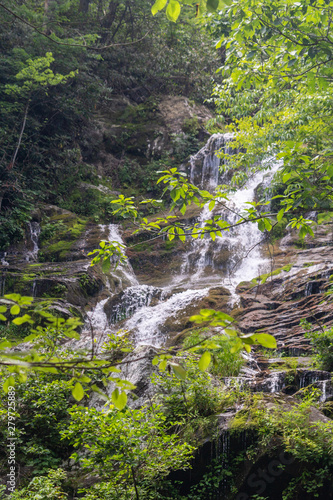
{"points": [[3, 259], [236, 256], [34, 232], [226, 261], [97, 318], [205, 164], [147, 323], [133, 298], [125, 270]]}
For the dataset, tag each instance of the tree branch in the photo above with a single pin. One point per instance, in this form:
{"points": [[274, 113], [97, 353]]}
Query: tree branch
{"points": [[70, 44]]}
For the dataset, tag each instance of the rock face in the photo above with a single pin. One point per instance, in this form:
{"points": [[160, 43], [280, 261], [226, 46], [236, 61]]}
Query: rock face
{"points": [[53, 263], [142, 131], [278, 305], [265, 472]]}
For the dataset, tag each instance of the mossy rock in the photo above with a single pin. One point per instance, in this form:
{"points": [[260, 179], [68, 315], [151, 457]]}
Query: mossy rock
{"points": [[327, 409], [59, 236]]}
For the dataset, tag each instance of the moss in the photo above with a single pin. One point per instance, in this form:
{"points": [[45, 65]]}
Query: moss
{"points": [[56, 250], [191, 125], [240, 421], [290, 363], [278, 231], [59, 290], [171, 245], [63, 217], [263, 277], [27, 277], [142, 247], [245, 419]]}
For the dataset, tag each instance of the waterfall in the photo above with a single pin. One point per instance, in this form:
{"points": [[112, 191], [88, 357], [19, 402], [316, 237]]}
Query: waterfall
{"points": [[125, 269], [232, 258], [97, 318], [205, 164], [147, 323], [133, 298], [3, 261], [34, 231], [236, 256]]}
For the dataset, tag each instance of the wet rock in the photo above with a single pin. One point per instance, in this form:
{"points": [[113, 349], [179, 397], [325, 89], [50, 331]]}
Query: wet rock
{"points": [[278, 306], [124, 304]]}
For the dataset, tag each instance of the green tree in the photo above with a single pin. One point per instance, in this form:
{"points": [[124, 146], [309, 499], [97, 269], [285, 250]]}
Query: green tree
{"points": [[277, 90], [126, 447]]}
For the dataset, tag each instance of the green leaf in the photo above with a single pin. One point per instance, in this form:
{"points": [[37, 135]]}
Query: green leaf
{"points": [[3, 318], [204, 361], [211, 205], [178, 371], [23, 319], [15, 310], [155, 361], [4, 344], [78, 391], [183, 209], [15, 297], [3, 309], [173, 10], [266, 340], [231, 332], [106, 264], [280, 214], [119, 399], [261, 225], [212, 5], [158, 5], [9, 383], [162, 365]]}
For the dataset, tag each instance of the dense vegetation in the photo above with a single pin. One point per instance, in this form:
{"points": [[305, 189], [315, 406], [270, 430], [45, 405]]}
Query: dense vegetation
{"points": [[63, 63]]}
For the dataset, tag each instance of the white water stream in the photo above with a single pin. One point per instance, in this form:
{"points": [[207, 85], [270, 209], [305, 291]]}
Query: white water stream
{"points": [[228, 260], [34, 231]]}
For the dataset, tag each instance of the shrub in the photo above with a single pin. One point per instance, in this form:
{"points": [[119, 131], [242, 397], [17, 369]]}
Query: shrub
{"points": [[322, 343]]}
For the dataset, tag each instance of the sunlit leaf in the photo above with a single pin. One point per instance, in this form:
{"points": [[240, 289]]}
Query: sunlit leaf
{"points": [[78, 391], [204, 361]]}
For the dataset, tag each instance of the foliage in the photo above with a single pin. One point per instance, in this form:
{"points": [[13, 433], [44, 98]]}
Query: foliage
{"points": [[307, 439], [194, 402], [224, 362], [53, 77], [123, 447], [189, 399], [43, 487], [277, 90], [322, 344], [173, 7], [44, 353], [41, 413]]}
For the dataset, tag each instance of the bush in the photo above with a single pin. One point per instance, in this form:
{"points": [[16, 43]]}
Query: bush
{"points": [[42, 487], [322, 343], [42, 414], [226, 363]]}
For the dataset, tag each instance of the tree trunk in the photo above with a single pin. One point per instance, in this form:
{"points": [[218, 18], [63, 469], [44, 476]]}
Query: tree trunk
{"points": [[21, 134], [84, 6]]}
